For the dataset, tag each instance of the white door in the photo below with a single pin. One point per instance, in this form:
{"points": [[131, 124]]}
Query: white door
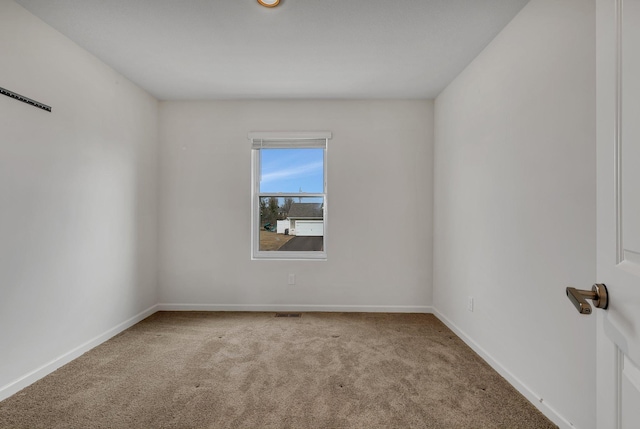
{"points": [[618, 122], [310, 228]]}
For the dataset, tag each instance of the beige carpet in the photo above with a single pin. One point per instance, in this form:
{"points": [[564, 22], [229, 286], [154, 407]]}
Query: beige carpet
{"points": [[253, 370]]}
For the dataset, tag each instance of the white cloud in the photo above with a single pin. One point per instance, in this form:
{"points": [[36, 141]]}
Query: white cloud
{"points": [[293, 172]]}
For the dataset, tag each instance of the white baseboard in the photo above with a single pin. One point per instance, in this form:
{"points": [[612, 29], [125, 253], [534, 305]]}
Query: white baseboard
{"points": [[301, 308], [48, 368], [544, 407], [35, 375]]}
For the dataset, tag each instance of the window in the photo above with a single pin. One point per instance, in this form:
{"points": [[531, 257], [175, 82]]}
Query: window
{"points": [[289, 197]]}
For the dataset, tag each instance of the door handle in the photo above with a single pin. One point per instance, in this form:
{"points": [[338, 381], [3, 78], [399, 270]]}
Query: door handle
{"points": [[598, 294]]}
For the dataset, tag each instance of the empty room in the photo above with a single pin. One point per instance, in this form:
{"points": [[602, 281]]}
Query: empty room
{"points": [[319, 214]]}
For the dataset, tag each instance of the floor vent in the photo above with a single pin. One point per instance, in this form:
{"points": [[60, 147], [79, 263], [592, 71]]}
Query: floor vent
{"points": [[288, 315]]}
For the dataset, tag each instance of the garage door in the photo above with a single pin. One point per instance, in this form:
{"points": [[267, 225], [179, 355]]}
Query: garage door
{"points": [[310, 228]]}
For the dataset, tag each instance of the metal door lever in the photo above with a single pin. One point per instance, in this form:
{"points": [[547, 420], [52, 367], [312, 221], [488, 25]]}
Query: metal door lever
{"points": [[598, 294]]}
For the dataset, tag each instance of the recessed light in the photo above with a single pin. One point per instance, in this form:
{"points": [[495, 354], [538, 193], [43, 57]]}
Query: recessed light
{"points": [[269, 3]]}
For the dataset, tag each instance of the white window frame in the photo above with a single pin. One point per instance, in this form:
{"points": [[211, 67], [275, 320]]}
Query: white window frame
{"points": [[289, 140]]}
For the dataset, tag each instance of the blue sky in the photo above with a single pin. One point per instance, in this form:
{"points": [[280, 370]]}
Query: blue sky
{"points": [[289, 170]]}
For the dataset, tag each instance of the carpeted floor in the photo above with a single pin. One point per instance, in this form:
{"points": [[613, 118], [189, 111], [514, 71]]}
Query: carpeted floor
{"points": [[253, 370]]}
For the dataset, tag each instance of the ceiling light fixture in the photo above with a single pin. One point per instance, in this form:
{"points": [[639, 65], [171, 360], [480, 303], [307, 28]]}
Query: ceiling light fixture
{"points": [[269, 3]]}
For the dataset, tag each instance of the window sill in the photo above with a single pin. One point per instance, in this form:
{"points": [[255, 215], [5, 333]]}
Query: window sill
{"points": [[289, 256]]}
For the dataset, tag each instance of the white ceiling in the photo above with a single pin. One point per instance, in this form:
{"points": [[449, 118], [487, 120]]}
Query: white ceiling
{"points": [[237, 49]]}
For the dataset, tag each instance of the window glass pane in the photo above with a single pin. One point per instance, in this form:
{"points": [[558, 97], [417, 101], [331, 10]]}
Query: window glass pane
{"points": [[291, 224], [292, 170]]}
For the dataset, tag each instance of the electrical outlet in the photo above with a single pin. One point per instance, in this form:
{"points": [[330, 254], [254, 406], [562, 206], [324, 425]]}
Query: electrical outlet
{"points": [[292, 279], [470, 303]]}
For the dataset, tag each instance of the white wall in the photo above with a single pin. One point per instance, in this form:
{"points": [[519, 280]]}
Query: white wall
{"points": [[379, 177], [515, 204], [78, 200]]}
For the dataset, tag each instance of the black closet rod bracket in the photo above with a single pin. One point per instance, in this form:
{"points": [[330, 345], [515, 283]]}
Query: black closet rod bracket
{"points": [[24, 99]]}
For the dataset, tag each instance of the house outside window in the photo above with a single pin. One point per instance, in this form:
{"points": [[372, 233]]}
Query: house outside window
{"points": [[289, 195]]}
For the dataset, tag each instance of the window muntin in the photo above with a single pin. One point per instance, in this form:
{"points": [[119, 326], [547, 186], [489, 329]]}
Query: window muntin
{"points": [[289, 203]]}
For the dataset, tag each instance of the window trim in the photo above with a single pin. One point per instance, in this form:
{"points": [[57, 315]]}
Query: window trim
{"points": [[279, 140]]}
